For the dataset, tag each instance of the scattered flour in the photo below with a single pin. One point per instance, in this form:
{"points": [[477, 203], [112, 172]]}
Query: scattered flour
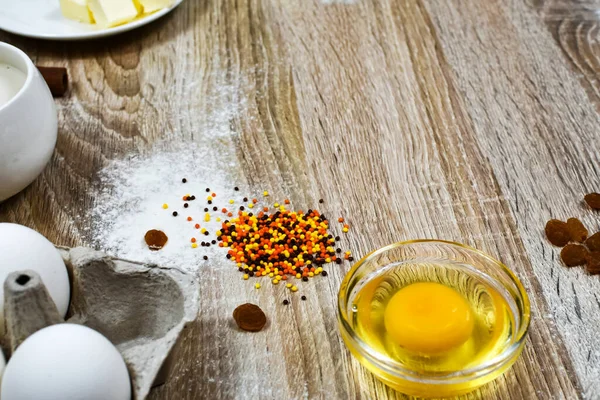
{"points": [[133, 190]]}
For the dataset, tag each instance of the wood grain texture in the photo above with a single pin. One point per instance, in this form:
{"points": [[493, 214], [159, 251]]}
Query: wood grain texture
{"points": [[464, 121]]}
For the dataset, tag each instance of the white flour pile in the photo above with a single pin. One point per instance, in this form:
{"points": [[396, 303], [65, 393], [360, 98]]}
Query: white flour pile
{"points": [[131, 191], [134, 191]]}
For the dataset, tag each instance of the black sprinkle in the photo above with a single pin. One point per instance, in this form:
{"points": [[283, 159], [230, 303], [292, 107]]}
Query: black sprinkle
{"points": [[210, 202], [351, 259], [193, 197], [338, 261], [324, 273], [250, 273], [305, 279], [236, 189], [184, 180], [250, 214], [241, 208], [338, 250], [285, 302], [174, 213], [205, 209], [229, 256], [337, 239], [241, 269], [205, 257], [214, 242], [206, 233], [303, 297], [245, 199], [321, 201], [186, 205], [207, 190], [215, 208]]}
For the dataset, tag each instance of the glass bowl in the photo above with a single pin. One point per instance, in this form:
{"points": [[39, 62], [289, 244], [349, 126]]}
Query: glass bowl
{"points": [[440, 384]]}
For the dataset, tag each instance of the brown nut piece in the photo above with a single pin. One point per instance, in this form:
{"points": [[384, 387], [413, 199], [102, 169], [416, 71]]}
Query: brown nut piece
{"points": [[249, 317], [557, 232], [593, 242], [593, 200], [577, 230], [593, 263], [574, 254], [155, 239]]}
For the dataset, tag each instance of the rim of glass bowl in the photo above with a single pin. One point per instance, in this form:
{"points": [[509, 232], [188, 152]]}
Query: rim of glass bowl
{"points": [[394, 368]]}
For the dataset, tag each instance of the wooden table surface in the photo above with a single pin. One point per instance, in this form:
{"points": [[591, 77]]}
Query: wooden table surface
{"points": [[473, 121]]}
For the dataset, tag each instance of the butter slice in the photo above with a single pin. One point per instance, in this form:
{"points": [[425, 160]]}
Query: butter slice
{"points": [[109, 13], [150, 6], [76, 10]]}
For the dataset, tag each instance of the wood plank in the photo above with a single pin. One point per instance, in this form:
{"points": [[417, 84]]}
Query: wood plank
{"points": [[405, 117], [409, 99], [535, 123]]}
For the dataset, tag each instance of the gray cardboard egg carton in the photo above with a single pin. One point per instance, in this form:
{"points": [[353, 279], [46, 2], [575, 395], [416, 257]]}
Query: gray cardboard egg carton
{"points": [[142, 309]]}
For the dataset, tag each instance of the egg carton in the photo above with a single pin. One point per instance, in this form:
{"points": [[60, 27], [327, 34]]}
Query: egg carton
{"points": [[142, 309]]}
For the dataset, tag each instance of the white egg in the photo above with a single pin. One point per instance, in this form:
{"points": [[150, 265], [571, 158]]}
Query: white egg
{"points": [[66, 362], [23, 248]]}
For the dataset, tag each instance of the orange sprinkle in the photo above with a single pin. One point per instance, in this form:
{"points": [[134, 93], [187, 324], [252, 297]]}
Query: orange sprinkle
{"points": [[340, 220], [189, 218], [197, 226], [254, 201], [213, 194], [193, 240]]}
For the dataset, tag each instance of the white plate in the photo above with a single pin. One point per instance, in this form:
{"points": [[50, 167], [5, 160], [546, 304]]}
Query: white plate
{"points": [[42, 19]]}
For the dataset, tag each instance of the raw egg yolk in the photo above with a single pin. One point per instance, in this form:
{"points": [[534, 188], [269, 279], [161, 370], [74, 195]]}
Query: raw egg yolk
{"points": [[428, 318]]}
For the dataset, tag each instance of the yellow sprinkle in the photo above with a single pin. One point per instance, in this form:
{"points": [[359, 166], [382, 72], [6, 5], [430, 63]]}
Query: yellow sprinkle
{"points": [[194, 245], [239, 264], [275, 281], [294, 289], [282, 208], [219, 233], [207, 217], [231, 201], [345, 230], [298, 276], [203, 230], [165, 206], [246, 277], [328, 260], [311, 274], [209, 198], [257, 285], [251, 205], [218, 219], [265, 193], [271, 275], [288, 285], [276, 205]]}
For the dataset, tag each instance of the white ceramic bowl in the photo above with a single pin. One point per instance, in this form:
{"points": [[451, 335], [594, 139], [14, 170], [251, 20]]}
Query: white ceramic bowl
{"points": [[28, 126]]}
